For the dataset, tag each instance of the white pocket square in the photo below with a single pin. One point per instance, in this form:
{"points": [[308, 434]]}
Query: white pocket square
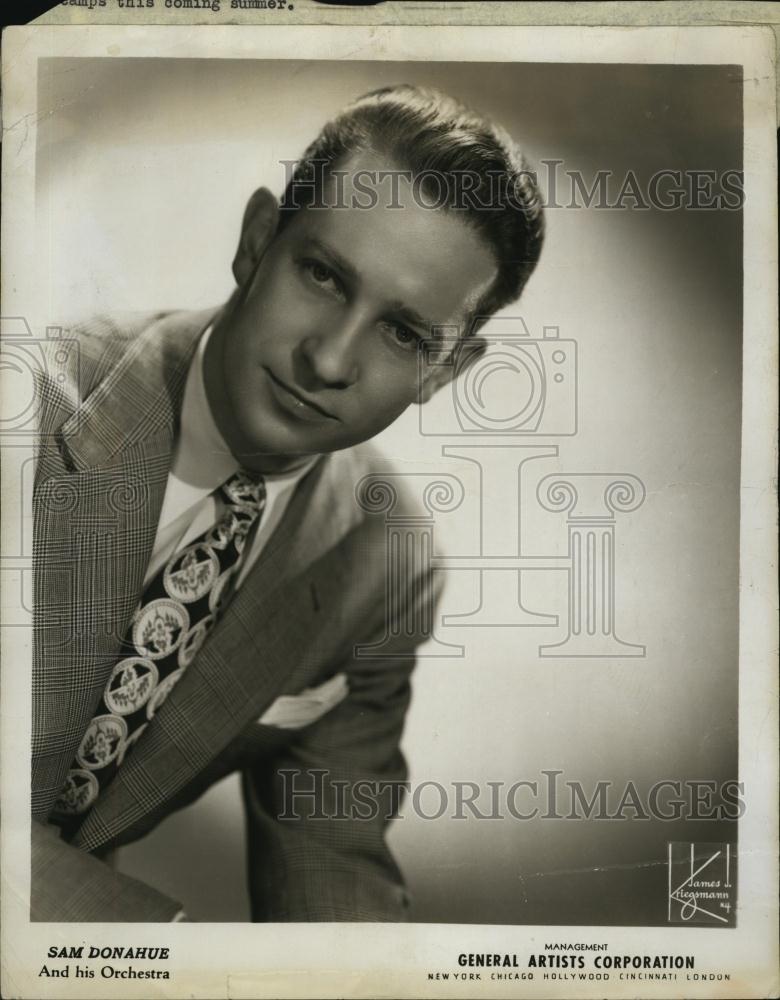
{"points": [[296, 711]]}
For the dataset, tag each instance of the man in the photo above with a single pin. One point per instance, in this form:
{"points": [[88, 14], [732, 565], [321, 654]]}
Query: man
{"points": [[203, 573]]}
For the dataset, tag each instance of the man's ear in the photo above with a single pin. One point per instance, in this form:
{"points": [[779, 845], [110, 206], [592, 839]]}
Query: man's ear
{"points": [[258, 228], [465, 353]]}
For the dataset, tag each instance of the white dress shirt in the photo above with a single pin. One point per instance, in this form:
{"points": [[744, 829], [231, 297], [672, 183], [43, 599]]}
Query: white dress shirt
{"points": [[201, 462]]}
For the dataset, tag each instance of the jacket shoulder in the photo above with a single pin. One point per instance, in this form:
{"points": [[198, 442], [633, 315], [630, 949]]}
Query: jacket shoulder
{"points": [[79, 357], [379, 487]]}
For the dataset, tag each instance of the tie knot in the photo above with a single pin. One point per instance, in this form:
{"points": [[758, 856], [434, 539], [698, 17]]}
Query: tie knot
{"points": [[246, 489]]}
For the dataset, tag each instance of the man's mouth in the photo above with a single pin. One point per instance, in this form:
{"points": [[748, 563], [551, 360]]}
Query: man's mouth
{"points": [[296, 402]]}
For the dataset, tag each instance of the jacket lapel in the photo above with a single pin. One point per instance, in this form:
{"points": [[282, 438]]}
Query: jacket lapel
{"points": [[97, 524]]}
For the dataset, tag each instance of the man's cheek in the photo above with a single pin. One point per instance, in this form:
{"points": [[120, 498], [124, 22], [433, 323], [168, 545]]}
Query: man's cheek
{"points": [[287, 322]]}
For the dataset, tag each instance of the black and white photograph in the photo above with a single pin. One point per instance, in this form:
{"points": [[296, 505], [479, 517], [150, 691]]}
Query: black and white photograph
{"points": [[388, 515]]}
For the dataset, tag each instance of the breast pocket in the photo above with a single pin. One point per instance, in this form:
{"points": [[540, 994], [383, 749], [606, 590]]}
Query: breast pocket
{"points": [[297, 711]]}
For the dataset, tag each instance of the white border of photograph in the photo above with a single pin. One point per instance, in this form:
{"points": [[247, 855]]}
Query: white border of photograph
{"points": [[371, 960]]}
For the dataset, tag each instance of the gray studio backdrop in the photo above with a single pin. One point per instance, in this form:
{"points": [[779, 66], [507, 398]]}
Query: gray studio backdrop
{"points": [[144, 167]]}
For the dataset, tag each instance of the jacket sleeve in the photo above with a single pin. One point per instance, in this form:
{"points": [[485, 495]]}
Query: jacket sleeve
{"points": [[318, 813], [68, 884]]}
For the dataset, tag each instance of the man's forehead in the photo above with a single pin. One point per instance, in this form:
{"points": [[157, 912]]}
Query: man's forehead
{"points": [[429, 259], [356, 169]]}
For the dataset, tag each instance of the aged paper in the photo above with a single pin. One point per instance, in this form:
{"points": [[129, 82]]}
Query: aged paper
{"points": [[591, 803]]}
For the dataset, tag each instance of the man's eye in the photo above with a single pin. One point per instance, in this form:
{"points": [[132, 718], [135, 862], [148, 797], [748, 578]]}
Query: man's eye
{"points": [[321, 275], [404, 337]]}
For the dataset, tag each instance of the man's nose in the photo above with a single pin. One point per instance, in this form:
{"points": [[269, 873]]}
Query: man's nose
{"points": [[330, 357]]}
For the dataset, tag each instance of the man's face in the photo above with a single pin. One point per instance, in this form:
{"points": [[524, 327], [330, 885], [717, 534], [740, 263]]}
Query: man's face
{"points": [[320, 347]]}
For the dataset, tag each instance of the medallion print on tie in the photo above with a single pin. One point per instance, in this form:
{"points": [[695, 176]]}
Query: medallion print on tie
{"points": [[178, 609]]}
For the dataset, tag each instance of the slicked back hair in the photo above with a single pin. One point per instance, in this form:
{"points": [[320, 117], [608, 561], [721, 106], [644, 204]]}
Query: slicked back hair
{"points": [[465, 164]]}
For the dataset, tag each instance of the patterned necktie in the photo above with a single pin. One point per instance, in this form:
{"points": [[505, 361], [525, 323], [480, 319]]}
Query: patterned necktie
{"points": [[178, 609]]}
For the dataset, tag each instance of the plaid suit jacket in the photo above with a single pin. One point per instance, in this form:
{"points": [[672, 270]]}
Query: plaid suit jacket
{"points": [[109, 409]]}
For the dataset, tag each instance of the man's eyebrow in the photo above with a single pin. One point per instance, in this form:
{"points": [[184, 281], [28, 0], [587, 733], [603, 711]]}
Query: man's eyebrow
{"points": [[347, 269], [397, 308], [411, 316]]}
